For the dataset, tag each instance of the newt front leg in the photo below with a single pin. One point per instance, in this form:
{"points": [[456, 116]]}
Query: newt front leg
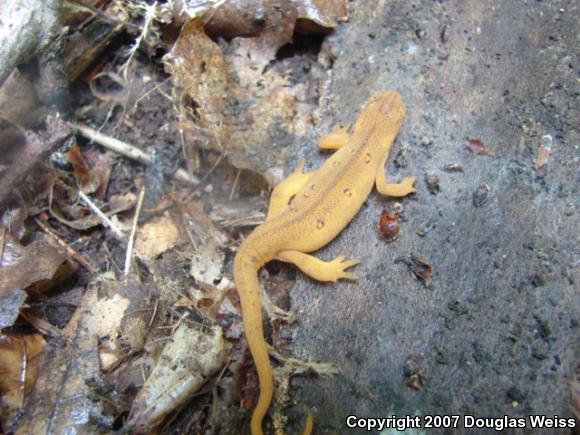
{"points": [[398, 190]]}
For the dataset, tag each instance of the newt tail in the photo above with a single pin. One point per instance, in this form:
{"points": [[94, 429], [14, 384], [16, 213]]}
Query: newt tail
{"points": [[248, 286]]}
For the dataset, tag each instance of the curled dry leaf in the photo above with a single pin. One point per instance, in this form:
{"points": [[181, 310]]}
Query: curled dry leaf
{"points": [[109, 87], [476, 146], [102, 166], [22, 266], [316, 16], [240, 18], [88, 181], [420, 270], [414, 376], [64, 206], [20, 362], [186, 363]]}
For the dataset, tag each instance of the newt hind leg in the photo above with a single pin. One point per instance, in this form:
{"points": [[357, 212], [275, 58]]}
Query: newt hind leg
{"points": [[286, 189], [327, 271]]}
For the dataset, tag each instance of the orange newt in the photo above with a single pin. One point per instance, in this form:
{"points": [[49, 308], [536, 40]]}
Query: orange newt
{"points": [[307, 211]]}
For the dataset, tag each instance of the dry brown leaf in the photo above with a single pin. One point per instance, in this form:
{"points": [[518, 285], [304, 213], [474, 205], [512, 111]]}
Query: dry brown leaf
{"points": [[184, 366], [197, 63], [268, 109], [316, 16], [420, 269], [87, 180], [238, 18], [273, 109], [476, 146], [156, 237], [22, 266], [20, 362], [253, 17], [277, 31], [102, 166]]}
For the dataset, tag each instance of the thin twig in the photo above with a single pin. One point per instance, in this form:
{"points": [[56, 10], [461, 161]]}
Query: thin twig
{"points": [[108, 222], [71, 251], [153, 315], [235, 186], [2, 240], [129, 254], [129, 151]]}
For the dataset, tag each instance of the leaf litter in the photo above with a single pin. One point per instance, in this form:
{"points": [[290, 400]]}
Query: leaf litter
{"points": [[240, 96]]}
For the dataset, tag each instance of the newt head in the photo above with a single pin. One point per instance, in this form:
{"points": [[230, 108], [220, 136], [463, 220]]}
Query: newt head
{"points": [[382, 117]]}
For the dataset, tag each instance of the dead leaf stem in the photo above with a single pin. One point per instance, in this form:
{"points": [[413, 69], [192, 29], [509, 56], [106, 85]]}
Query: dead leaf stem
{"points": [[108, 222], [129, 255]]}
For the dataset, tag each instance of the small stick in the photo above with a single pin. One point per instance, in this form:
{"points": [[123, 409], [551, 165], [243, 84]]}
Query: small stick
{"points": [[108, 222], [71, 251], [129, 151], [129, 254], [235, 186], [2, 235]]}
